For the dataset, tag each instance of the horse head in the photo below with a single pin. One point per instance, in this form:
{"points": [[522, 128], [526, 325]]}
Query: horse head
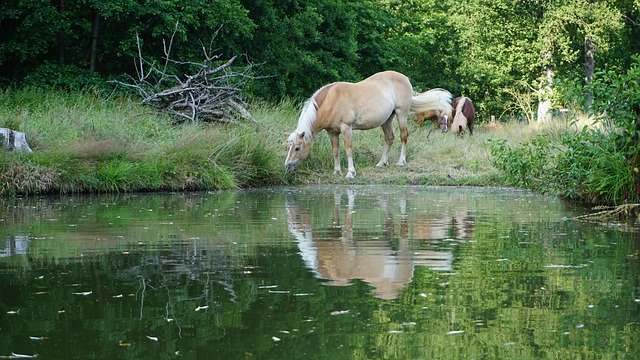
{"points": [[298, 149]]}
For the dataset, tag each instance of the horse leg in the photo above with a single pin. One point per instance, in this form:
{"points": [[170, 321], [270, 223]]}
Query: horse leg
{"points": [[335, 147], [404, 135], [387, 129], [346, 134]]}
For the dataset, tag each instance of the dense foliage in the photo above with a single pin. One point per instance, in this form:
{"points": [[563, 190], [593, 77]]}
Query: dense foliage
{"points": [[507, 55], [594, 164], [485, 49]]}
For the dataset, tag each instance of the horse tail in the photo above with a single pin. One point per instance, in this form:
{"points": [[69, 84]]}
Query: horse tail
{"points": [[433, 100]]}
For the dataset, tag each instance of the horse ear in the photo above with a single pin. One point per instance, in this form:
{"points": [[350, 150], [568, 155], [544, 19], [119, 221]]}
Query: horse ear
{"points": [[301, 136]]}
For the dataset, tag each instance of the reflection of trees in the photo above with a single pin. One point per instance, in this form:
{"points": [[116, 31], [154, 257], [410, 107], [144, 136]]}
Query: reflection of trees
{"points": [[500, 289], [383, 256], [14, 245]]}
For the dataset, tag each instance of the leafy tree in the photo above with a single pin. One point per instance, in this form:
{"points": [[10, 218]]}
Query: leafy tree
{"points": [[423, 43], [573, 28], [496, 48]]}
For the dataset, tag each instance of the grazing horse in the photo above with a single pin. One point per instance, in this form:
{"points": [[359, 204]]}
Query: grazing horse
{"points": [[464, 115], [341, 107]]}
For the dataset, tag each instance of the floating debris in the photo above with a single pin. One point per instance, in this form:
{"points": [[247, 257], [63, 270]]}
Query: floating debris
{"points": [[303, 294], [153, 338], [170, 319], [202, 307], [423, 295], [279, 291], [339, 312], [284, 332], [124, 343], [276, 339], [19, 356], [84, 293], [117, 296], [41, 292], [395, 332], [61, 311], [579, 326], [455, 332], [409, 323], [14, 312], [38, 338], [558, 266], [267, 287], [40, 277]]}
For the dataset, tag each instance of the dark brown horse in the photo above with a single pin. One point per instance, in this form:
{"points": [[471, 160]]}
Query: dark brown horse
{"points": [[464, 112]]}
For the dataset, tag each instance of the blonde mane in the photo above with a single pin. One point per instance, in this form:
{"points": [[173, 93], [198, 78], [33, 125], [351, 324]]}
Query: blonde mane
{"points": [[308, 115]]}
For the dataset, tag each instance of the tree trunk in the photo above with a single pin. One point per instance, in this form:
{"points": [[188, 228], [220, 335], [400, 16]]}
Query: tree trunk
{"points": [[13, 140], [544, 103], [589, 67], [94, 40]]}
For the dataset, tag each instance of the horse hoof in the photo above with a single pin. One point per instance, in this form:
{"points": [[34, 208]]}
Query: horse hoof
{"points": [[350, 176], [381, 164], [401, 163], [337, 173]]}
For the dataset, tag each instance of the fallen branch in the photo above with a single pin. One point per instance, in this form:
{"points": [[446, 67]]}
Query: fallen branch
{"points": [[622, 213]]}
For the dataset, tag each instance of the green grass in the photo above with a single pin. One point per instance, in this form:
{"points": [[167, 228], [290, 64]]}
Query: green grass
{"points": [[84, 143]]}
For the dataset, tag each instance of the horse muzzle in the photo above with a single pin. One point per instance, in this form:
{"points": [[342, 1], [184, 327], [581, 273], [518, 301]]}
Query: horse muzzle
{"points": [[291, 165]]}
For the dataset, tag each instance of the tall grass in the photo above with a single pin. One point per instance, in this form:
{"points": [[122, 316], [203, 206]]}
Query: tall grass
{"points": [[84, 143]]}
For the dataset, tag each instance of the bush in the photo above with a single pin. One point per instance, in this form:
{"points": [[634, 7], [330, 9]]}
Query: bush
{"points": [[595, 165], [63, 77]]}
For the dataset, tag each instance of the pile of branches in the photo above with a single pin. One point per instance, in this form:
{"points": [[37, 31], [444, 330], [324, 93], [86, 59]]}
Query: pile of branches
{"points": [[212, 93]]}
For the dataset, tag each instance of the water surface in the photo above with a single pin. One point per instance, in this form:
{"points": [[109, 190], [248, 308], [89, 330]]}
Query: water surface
{"points": [[335, 272]]}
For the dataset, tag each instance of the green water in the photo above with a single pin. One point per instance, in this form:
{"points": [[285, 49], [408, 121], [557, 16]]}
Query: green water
{"points": [[359, 272]]}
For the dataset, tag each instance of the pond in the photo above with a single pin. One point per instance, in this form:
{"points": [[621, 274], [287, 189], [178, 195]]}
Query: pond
{"points": [[329, 272]]}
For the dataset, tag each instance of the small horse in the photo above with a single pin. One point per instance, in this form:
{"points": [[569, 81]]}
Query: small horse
{"points": [[441, 115], [463, 115], [341, 107], [465, 112]]}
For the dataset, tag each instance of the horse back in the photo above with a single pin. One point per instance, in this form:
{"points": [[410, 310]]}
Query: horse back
{"points": [[365, 104]]}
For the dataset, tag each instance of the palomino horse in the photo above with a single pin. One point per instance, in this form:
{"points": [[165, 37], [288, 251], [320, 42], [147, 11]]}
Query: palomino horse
{"points": [[341, 107], [463, 115]]}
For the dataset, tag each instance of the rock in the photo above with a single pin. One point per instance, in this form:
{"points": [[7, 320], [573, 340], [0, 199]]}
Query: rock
{"points": [[14, 140]]}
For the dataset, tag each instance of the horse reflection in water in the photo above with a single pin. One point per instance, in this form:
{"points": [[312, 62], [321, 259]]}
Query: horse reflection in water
{"points": [[344, 253]]}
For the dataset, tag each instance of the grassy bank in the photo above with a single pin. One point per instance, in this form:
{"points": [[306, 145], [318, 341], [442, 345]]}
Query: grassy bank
{"points": [[84, 143]]}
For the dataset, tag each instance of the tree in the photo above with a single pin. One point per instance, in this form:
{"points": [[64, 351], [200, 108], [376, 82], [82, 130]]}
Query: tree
{"points": [[497, 49], [571, 28]]}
